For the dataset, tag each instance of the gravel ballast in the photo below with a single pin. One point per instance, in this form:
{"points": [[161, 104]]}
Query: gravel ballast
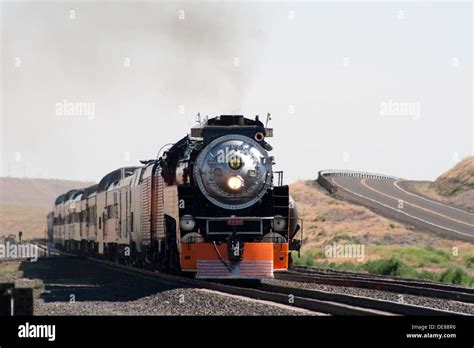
{"points": [[454, 306], [71, 286]]}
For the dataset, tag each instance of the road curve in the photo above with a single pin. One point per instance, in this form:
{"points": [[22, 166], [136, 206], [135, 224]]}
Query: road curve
{"points": [[389, 197]]}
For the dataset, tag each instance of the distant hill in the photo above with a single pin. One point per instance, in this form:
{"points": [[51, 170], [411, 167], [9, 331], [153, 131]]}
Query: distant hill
{"points": [[25, 202], [455, 187], [458, 179]]}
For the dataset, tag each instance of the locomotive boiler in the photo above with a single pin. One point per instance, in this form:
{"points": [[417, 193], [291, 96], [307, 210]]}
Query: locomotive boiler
{"points": [[211, 205]]}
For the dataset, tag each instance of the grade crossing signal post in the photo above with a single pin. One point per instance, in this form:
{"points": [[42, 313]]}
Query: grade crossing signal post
{"points": [[15, 301], [6, 298]]}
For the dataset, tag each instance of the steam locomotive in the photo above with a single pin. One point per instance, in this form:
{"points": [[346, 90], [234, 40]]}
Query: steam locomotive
{"points": [[211, 205]]}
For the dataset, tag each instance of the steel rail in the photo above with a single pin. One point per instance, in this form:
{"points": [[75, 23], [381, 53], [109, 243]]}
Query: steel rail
{"points": [[400, 287], [380, 277]]}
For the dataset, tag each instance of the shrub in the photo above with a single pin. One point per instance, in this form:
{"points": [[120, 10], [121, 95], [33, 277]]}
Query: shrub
{"points": [[455, 276], [470, 262], [390, 267]]}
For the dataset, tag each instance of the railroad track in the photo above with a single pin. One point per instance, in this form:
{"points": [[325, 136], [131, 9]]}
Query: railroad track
{"points": [[329, 271], [361, 280], [313, 300], [333, 272]]}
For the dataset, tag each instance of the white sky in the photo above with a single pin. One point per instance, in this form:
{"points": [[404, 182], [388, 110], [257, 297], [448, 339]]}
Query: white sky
{"points": [[322, 69]]}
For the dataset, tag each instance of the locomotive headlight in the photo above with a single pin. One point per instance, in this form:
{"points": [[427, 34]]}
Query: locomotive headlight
{"points": [[235, 183], [279, 223], [187, 223]]}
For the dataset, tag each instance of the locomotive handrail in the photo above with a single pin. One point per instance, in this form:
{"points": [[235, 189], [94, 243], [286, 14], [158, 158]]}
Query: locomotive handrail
{"points": [[225, 218]]}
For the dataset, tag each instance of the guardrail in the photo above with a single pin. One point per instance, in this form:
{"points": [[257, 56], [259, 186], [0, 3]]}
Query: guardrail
{"points": [[328, 185]]}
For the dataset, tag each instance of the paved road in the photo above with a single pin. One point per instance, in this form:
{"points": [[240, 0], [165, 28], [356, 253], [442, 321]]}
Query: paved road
{"points": [[391, 198]]}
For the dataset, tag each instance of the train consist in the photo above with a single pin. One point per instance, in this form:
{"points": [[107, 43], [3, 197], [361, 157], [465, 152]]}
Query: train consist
{"points": [[209, 205]]}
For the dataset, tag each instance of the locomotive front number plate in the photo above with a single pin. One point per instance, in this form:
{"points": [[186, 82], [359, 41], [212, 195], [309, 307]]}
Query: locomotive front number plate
{"points": [[235, 221]]}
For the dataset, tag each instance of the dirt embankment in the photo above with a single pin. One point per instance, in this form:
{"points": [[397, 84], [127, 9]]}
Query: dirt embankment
{"points": [[455, 187]]}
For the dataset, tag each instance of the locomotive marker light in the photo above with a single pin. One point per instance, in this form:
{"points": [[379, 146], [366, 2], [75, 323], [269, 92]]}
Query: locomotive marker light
{"points": [[187, 223], [279, 223], [259, 136]]}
